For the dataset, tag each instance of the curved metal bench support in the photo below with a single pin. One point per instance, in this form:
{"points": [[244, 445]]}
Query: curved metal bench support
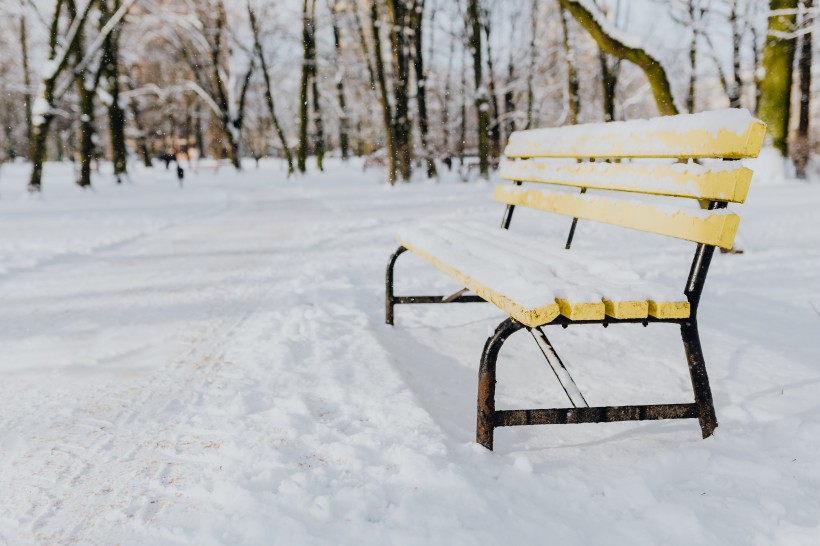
{"points": [[700, 380], [488, 418], [486, 381], [390, 299]]}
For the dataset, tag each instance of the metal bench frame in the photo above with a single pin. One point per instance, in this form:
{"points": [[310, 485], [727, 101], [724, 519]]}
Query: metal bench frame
{"points": [[488, 418]]}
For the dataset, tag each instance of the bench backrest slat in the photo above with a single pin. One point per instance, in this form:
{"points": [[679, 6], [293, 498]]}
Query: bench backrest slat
{"points": [[727, 134], [716, 228], [715, 183]]}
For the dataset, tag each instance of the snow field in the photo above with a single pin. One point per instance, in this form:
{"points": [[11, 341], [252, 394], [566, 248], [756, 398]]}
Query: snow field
{"points": [[210, 365]]}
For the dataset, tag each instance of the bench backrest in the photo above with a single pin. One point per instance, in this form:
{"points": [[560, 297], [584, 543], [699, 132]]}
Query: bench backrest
{"points": [[721, 134]]}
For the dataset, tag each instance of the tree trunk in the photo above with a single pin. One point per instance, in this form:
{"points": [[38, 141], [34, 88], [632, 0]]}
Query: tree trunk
{"points": [[402, 132], [495, 111], [26, 69], [573, 97], [509, 101], [482, 107], [86, 150], [694, 22], [417, 17], [445, 107], [344, 139], [462, 141], [736, 87], [531, 71], [116, 115], [381, 82], [776, 83], [301, 151], [609, 80], [651, 67], [257, 44], [802, 146], [757, 63]]}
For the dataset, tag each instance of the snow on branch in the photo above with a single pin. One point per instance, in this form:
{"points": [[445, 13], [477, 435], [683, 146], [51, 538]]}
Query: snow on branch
{"points": [[613, 41]]}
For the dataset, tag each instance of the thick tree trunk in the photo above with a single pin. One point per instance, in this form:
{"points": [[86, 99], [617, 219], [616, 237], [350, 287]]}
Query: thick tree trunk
{"points": [[86, 128], [651, 67], [481, 103], [776, 81], [301, 151], [402, 131], [116, 115], [86, 84]]}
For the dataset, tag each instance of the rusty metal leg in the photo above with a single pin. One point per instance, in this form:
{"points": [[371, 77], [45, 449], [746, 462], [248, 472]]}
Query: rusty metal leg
{"points": [[486, 381], [390, 298], [700, 381]]}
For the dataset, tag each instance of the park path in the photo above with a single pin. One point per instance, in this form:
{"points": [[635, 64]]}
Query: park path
{"points": [[220, 374]]}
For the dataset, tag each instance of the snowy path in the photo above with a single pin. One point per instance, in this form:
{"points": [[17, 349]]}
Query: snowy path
{"points": [[210, 366]]}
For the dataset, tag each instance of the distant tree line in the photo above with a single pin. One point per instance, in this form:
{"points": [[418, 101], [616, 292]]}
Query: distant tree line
{"points": [[420, 84]]}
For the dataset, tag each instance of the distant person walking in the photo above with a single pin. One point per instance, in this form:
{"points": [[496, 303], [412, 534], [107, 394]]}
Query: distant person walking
{"points": [[180, 172]]}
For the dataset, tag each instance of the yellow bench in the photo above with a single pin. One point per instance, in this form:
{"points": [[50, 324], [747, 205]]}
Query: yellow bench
{"points": [[538, 286]]}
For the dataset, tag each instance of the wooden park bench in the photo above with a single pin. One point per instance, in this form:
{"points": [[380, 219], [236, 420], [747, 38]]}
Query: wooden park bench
{"points": [[539, 286]]}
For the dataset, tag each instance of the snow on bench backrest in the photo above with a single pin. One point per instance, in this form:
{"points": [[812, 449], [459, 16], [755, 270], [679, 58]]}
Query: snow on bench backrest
{"points": [[729, 133], [725, 181]]}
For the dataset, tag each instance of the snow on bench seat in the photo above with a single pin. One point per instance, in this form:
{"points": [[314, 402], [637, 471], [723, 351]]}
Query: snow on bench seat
{"points": [[534, 283]]}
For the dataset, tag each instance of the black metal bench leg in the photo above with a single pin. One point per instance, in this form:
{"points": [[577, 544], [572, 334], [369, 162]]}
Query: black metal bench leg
{"points": [[390, 299], [700, 380], [486, 381]]}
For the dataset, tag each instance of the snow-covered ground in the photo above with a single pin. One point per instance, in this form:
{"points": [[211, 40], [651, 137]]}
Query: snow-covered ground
{"points": [[210, 365]]}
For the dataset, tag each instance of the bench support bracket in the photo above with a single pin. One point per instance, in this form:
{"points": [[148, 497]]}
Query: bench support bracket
{"points": [[391, 300], [488, 418]]}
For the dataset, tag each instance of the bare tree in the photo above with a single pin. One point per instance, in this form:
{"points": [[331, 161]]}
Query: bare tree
{"points": [[59, 53], [260, 54], [608, 41]]}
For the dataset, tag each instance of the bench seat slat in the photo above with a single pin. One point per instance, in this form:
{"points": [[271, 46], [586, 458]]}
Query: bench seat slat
{"points": [[725, 182], [712, 228], [532, 283], [728, 133]]}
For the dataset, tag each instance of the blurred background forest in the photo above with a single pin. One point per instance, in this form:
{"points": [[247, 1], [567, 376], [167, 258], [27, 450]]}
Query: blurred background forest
{"points": [[415, 86]]}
